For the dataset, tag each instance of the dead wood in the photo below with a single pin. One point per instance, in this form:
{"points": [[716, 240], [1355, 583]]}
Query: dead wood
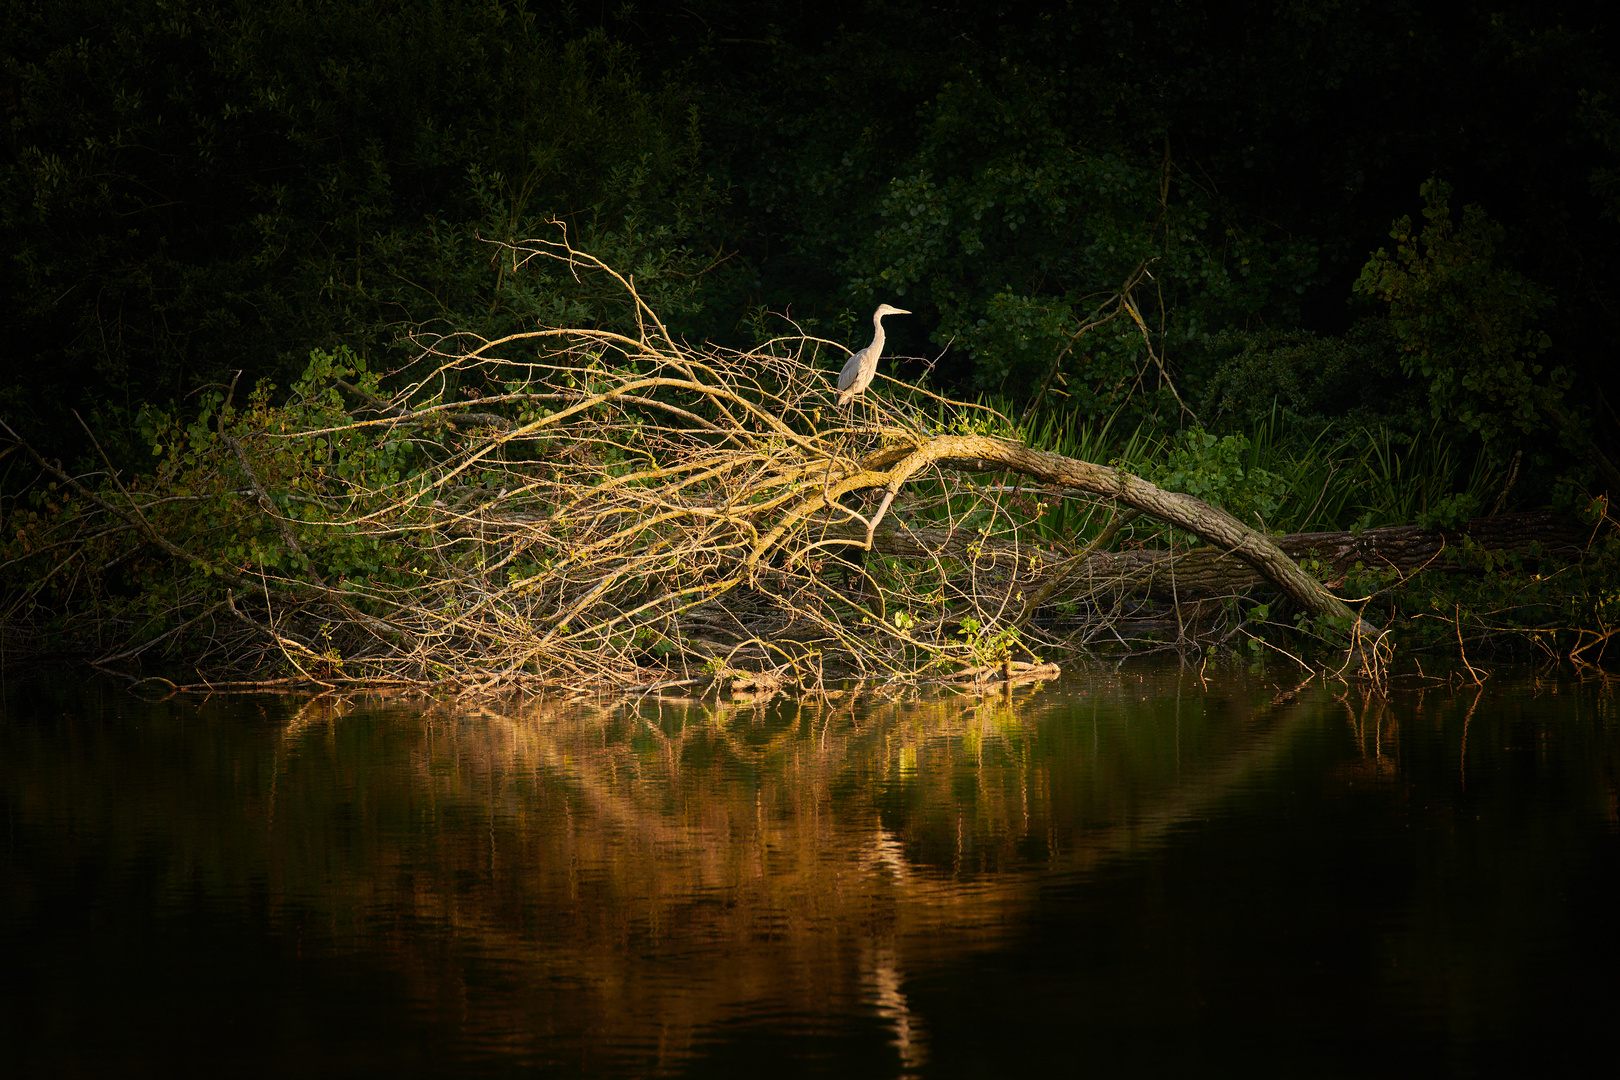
{"points": [[1401, 548], [1227, 536], [1209, 571], [622, 511]]}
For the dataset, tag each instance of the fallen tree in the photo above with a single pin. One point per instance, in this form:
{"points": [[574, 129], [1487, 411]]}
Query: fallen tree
{"points": [[1404, 549], [1193, 572], [576, 507], [1231, 542]]}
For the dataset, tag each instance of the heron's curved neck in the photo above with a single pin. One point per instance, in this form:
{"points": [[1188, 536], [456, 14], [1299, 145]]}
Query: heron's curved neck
{"points": [[877, 332]]}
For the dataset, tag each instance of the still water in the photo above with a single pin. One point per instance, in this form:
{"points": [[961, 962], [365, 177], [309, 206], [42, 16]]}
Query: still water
{"points": [[1130, 872]]}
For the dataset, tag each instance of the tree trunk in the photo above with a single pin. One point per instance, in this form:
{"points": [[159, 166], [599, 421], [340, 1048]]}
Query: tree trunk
{"points": [[1208, 571], [1229, 538]]}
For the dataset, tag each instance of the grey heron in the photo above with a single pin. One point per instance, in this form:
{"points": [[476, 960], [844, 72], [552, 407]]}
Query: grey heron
{"points": [[858, 372]]}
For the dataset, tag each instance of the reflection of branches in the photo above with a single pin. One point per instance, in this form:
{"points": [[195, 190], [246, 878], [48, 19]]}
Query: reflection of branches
{"points": [[655, 837]]}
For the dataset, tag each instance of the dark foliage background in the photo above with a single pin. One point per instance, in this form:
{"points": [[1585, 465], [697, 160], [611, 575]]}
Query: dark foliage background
{"points": [[191, 189]]}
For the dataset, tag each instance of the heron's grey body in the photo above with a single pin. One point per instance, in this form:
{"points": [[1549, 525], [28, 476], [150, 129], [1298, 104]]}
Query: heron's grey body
{"points": [[858, 372]]}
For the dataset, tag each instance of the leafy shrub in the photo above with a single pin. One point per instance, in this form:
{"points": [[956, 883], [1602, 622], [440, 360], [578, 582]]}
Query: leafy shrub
{"points": [[1355, 378], [1468, 326], [1216, 469]]}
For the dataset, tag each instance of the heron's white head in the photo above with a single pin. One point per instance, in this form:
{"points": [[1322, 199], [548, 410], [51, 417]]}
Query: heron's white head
{"points": [[889, 309]]}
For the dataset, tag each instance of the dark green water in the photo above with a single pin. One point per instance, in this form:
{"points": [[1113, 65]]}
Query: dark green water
{"points": [[1130, 873]]}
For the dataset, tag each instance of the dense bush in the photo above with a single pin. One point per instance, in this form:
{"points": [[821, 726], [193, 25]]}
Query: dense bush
{"points": [[201, 190]]}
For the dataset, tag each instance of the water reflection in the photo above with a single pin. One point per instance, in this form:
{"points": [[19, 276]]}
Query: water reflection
{"points": [[654, 887]]}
